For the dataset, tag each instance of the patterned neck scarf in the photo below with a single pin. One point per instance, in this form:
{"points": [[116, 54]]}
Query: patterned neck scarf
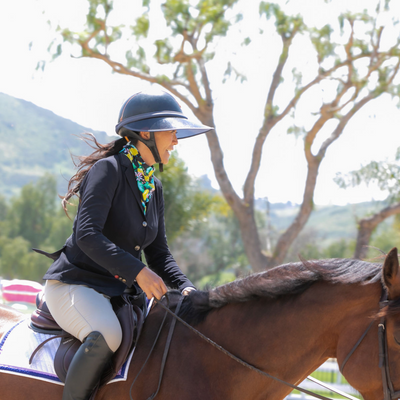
{"points": [[143, 173]]}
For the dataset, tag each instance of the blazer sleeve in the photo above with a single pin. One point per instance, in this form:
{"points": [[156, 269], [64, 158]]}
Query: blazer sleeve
{"points": [[97, 194], [158, 255]]}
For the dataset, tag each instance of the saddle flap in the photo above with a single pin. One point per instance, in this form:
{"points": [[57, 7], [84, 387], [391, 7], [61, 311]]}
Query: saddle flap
{"points": [[131, 318], [64, 355]]}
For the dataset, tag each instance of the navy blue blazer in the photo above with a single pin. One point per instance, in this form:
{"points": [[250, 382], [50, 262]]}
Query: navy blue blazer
{"points": [[110, 231]]}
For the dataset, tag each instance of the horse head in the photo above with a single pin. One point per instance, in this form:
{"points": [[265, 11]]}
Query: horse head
{"points": [[374, 362], [390, 317]]}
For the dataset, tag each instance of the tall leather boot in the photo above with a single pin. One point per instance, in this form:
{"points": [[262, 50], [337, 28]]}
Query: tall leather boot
{"points": [[86, 367]]}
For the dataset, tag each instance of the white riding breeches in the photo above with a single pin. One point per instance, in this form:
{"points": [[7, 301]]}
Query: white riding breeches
{"points": [[80, 310]]}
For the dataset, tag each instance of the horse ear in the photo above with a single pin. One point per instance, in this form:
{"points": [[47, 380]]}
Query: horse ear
{"points": [[391, 273]]}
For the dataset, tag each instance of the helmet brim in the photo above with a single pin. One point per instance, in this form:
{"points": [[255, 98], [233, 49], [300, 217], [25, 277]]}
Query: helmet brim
{"points": [[184, 127]]}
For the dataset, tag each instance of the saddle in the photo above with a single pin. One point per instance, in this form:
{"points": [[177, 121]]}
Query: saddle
{"points": [[129, 308]]}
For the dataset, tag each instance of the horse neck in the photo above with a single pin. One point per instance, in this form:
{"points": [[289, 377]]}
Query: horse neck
{"points": [[292, 336]]}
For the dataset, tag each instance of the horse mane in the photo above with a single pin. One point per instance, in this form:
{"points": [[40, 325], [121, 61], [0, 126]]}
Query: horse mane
{"points": [[285, 280]]}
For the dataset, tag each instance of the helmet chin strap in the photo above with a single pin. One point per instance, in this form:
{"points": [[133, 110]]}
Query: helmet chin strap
{"points": [[150, 143]]}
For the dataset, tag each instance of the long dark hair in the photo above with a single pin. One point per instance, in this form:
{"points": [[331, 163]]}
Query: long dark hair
{"points": [[84, 163]]}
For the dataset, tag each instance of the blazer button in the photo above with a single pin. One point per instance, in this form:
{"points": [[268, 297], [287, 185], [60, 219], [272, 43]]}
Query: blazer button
{"points": [[144, 224], [137, 248]]}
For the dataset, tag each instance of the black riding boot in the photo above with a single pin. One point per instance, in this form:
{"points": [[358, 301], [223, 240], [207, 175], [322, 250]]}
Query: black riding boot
{"points": [[86, 367]]}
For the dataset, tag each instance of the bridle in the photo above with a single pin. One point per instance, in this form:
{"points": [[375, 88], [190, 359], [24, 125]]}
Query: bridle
{"points": [[388, 391]]}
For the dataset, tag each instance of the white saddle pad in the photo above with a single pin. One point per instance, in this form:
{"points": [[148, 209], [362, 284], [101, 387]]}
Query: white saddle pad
{"points": [[17, 346]]}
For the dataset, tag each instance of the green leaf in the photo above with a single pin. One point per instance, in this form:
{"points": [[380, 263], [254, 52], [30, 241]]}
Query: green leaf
{"points": [[228, 72], [296, 130], [286, 25], [142, 26], [238, 18], [321, 39], [246, 41], [164, 51], [138, 61], [40, 65], [385, 175]]}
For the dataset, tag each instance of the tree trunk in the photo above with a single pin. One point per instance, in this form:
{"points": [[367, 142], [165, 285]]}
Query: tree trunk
{"points": [[251, 240], [367, 225]]}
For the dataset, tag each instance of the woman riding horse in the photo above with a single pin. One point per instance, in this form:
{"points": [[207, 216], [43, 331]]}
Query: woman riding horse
{"points": [[120, 214], [285, 322]]}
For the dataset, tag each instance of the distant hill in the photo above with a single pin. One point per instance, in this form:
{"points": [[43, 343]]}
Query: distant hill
{"points": [[33, 141], [327, 223]]}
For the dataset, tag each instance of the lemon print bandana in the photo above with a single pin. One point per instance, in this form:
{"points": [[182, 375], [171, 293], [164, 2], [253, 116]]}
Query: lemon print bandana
{"points": [[143, 173]]}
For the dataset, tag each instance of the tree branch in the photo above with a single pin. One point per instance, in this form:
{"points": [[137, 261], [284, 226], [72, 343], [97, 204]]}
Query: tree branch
{"points": [[206, 82], [375, 47], [395, 71], [234, 201], [194, 87], [342, 123], [269, 124], [367, 225], [312, 133], [351, 100], [121, 69], [348, 48]]}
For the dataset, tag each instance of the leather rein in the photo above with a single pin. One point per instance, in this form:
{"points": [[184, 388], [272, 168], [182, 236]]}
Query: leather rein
{"points": [[388, 390]]}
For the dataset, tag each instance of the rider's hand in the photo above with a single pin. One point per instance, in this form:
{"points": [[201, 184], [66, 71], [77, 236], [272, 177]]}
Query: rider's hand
{"points": [[187, 290], [151, 283]]}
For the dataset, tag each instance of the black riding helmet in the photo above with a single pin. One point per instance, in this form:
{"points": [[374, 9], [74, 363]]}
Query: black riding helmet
{"points": [[154, 112]]}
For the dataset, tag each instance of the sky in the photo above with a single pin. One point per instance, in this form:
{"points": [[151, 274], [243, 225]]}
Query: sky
{"points": [[86, 92]]}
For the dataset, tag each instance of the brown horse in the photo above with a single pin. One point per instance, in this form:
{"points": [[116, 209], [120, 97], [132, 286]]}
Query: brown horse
{"points": [[286, 321]]}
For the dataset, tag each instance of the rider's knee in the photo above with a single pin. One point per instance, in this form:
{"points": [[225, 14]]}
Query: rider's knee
{"points": [[113, 336]]}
